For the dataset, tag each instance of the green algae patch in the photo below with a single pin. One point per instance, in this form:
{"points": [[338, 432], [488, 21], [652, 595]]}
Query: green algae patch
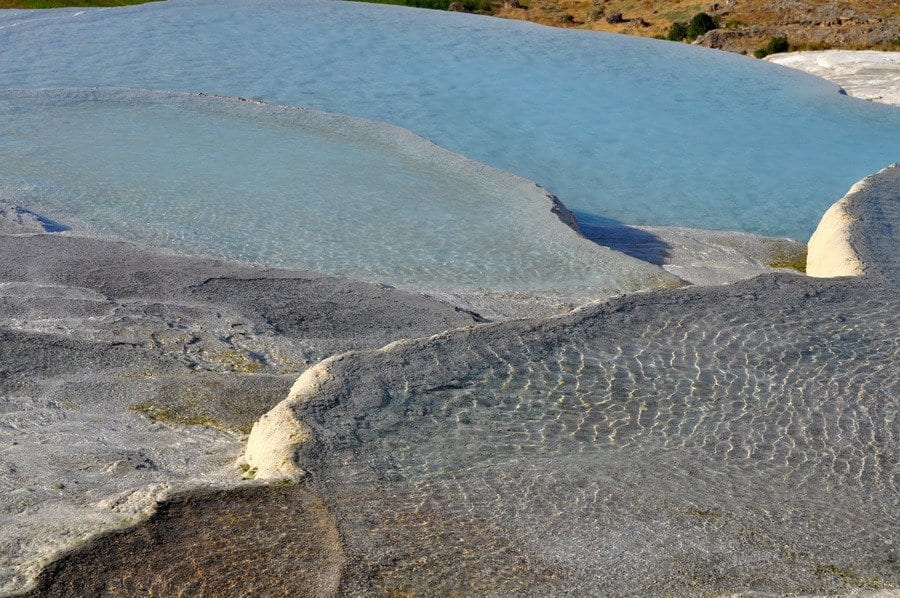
{"points": [[785, 256], [169, 416], [708, 514], [241, 363], [247, 472]]}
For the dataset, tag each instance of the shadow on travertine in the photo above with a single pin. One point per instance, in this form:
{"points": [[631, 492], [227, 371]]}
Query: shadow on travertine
{"points": [[703, 257], [630, 240]]}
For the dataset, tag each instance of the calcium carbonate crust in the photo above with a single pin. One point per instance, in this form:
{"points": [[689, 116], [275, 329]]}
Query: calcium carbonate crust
{"points": [[865, 74], [858, 235], [279, 435]]}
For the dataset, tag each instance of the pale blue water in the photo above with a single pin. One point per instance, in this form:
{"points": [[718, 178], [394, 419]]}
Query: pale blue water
{"points": [[297, 188], [637, 130]]}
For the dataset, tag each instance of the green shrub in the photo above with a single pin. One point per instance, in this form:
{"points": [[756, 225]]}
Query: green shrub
{"points": [[776, 45], [677, 32], [700, 24]]}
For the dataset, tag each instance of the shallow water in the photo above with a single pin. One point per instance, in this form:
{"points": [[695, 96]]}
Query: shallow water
{"points": [[294, 188], [642, 131], [705, 441]]}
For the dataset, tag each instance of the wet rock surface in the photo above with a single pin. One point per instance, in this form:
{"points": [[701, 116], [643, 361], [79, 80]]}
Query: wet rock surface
{"points": [[708, 440], [128, 374], [252, 541], [704, 440]]}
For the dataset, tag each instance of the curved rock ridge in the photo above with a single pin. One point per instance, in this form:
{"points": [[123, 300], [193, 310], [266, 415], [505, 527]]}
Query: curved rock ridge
{"points": [[860, 233], [332, 193]]}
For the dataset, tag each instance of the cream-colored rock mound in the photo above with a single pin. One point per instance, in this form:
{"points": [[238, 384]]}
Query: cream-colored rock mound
{"points": [[275, 436], [829, 250], [857, 235]]}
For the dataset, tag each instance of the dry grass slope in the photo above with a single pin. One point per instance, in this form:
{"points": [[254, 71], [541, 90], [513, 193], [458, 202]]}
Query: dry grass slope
{"points": [[744, 25]]}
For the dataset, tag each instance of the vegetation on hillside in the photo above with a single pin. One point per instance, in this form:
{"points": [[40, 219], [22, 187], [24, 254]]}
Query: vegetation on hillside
{"points": [[745, 26], [760, 27], [699, 24], [776, 45], [740, 25]]}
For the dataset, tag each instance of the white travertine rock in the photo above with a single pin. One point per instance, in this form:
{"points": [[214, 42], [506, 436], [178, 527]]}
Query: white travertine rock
{"points": [[276, 435], [868, 75], [856, 235], [830, 252]]}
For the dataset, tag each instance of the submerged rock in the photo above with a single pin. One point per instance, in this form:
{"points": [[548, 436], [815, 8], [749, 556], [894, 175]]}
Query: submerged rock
{"points": [[129, 373], [593, 450], [711, 439]]}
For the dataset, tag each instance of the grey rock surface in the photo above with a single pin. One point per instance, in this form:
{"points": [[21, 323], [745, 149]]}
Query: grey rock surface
{"points": [[717, 440], [129, 373], [184, 326], [704, 441]]}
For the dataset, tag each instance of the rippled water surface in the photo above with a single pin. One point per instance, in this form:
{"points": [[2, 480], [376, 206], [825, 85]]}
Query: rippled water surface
{"points": [[704, 441], [645, 446], [632, 129]]}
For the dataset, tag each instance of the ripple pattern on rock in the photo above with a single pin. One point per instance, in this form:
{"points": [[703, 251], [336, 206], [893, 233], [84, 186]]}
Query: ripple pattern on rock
{"points": [[717, 439]]}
